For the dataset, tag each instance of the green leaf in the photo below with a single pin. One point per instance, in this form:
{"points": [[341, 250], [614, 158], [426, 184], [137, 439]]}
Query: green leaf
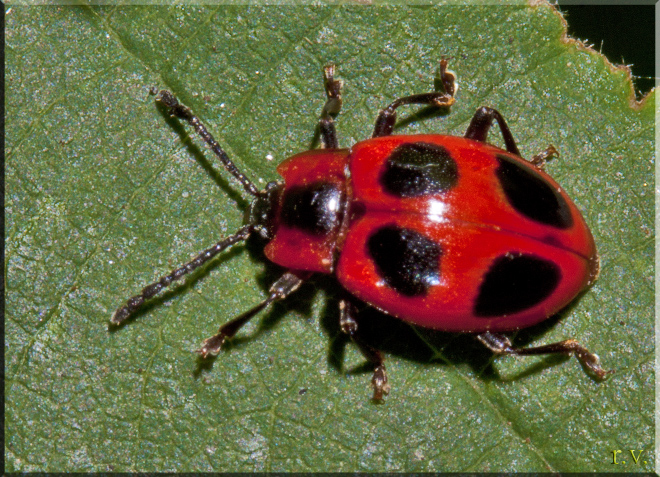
{"points": [[105, 194]]}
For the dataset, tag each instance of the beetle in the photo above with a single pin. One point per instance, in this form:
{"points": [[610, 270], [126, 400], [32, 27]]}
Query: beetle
{"points": [[443, 232]]}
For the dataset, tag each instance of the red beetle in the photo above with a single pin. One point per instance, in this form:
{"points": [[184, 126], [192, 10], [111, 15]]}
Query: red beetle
{"points": [[444, 232]]}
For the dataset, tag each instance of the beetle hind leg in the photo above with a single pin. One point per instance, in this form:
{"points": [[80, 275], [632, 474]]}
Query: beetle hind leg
{"points": [[500, 344], [349, 326]]}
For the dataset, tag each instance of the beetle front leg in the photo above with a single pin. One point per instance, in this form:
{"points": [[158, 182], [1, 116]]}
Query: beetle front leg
{"points": [[500, 344], [282, 288], [349, 325], [330, 109]]}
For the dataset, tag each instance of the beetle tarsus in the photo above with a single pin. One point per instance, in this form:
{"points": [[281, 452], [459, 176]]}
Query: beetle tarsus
{"points": [[211, 346], [379, 383], [331, 108], [544, 156], [447, 78]]}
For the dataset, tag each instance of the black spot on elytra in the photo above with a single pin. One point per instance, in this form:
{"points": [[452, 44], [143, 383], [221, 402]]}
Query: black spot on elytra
{"points": [[419, 168], [407, 261], [515, 282], [531, 195], [313, 208]]}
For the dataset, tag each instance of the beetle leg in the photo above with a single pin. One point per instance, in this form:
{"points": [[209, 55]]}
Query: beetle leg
{"points": [[387, 117], [152, 290], [349, 325], [542, 157], [330, 109], [481, 124], [282, 288], [500, 344]]}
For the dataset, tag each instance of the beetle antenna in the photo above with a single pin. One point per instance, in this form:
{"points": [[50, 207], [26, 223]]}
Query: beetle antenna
{"points": [[182, 112], [152, 290]]}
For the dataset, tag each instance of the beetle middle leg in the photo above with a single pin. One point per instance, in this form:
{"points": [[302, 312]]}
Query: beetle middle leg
{"points": [[500, 344], [349, 325]]}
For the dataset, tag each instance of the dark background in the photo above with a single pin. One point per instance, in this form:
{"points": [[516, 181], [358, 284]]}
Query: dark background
{"points": [[623, 33]]}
